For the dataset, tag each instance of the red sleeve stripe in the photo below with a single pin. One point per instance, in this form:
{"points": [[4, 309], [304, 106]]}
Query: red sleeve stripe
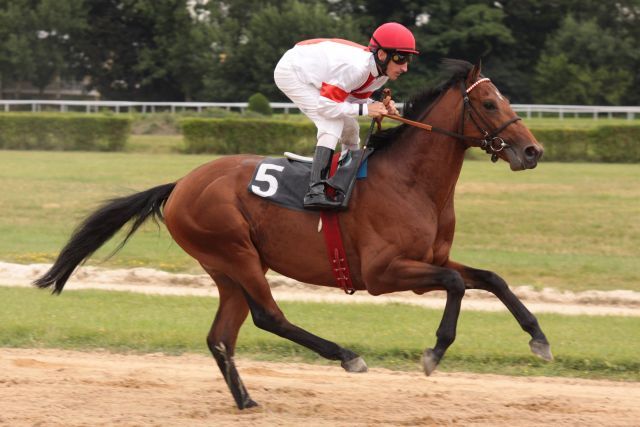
{"points": [[333, 93], [366, 83]]}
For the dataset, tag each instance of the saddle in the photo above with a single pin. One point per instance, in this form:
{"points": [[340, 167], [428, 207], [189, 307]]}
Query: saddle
{"points": [[285, 180]]}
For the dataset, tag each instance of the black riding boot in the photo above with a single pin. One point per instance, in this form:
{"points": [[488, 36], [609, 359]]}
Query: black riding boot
{"points": [[316, 199]]}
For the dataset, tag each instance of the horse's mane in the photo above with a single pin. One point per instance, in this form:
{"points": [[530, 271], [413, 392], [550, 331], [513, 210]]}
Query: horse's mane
{"points": [[456, 69]]}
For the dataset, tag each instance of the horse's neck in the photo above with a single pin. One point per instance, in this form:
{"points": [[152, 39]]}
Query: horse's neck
{"points": [[427, 161]]}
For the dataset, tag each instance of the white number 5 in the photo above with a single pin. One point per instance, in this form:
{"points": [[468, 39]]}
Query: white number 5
{"points": [[262, 175]]}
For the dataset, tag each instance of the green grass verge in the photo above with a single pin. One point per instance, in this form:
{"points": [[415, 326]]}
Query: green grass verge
{"points": [[569, 226], [391, 336]]}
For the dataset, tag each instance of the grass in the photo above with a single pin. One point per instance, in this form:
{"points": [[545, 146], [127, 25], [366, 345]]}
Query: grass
{"points": [[391, 336], [563, 225], [569, 226], [46, 194]]}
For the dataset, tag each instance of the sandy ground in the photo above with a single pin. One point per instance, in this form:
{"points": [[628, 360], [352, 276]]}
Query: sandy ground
{"points": [[65, 388]]}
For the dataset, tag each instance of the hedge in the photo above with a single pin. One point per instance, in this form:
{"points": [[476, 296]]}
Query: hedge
{"points": [[259, 136], [231, 136], [609, 144], [55, 131]]}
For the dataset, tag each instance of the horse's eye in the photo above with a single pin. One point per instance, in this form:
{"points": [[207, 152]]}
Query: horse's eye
{"points": [[489, 105]]}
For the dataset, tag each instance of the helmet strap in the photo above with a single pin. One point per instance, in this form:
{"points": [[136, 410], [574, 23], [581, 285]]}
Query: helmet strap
{"points": [[382, 65]]}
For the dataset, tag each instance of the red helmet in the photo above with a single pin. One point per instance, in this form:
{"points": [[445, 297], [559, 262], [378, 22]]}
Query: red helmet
{"points": [[393, 36]]}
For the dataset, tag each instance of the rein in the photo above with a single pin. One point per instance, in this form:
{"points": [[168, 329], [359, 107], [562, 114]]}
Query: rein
{"points": [[490, 142]]}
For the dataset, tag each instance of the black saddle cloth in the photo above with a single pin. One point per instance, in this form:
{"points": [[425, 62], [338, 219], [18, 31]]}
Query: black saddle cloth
{"points": [[284, 181]]}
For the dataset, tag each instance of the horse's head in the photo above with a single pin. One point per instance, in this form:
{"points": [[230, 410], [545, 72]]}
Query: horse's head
{"points": [[490, 122]]}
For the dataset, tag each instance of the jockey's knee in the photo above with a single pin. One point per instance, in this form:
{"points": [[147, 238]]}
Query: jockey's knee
{"points": [[327, 140]]}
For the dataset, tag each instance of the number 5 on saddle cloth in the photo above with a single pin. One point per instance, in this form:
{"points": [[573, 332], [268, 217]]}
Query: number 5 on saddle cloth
{"points": [[284, 181]]}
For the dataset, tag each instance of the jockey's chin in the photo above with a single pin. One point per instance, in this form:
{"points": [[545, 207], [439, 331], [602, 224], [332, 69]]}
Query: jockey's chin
{"points": [[394, 76], [395, 70]]}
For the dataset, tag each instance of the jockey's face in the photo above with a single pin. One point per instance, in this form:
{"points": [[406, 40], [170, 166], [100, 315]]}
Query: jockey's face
{"points": [[394, 70]]}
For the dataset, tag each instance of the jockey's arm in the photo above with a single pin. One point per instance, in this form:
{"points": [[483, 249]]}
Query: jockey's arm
{"points": [[332, 103]]}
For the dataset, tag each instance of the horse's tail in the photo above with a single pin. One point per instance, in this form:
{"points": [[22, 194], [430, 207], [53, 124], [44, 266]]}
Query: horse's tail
{"points": [[100, 226]]}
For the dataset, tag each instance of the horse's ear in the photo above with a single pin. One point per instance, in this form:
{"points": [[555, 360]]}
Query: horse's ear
{"points": [[474, 74]]}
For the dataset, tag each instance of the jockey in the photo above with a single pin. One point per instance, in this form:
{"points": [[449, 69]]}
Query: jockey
{"points": [[331, 80]]}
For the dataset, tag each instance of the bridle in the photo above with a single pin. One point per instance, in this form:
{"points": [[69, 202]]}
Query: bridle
{"points": [[490, 142]]}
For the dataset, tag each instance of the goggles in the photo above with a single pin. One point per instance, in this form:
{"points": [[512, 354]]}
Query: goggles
{"points": [[401, 58]]}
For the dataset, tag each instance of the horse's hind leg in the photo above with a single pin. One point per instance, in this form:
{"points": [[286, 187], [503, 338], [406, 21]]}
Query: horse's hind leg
{"points": [[232, 312], [267, 315], [490, 281]]}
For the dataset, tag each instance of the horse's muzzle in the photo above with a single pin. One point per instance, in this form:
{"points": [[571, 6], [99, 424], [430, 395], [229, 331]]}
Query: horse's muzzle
{"points": [[532, 155], [524, 158]]}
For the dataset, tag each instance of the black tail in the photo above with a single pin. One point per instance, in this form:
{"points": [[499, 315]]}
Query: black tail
{"points": [[100, 227]]}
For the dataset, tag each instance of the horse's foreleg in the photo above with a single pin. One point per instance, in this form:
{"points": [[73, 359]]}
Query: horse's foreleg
{"points": [[490, 281], [411, 275], [232, 312]]}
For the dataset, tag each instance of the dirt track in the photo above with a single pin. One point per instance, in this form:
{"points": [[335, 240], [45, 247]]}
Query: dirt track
{"points": [[64, 388]]}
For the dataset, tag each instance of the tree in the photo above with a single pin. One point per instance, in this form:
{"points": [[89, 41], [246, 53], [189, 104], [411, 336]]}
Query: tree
{"points": [[58, 25], [17, 63], [36, 39], [146, 49], [246, 62], [592, 62]]}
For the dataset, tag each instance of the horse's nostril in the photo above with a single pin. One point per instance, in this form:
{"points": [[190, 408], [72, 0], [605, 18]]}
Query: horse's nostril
{"points": [[532, 153]]}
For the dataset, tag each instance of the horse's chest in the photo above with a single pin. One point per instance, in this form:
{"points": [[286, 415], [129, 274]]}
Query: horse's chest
{"points": [[428, 240]]}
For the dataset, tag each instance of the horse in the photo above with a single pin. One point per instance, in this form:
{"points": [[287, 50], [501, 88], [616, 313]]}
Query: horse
{"points": [[397, 232]]}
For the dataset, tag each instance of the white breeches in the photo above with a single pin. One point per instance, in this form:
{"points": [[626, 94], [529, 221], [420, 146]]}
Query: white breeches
{"points": [[305, 96]]}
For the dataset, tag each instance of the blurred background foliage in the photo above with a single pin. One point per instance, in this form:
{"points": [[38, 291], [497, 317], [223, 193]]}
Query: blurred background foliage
{"points": [[536, 51]]}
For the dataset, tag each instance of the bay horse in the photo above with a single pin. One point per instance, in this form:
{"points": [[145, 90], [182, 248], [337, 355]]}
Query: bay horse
{"points": [[397, 232]]}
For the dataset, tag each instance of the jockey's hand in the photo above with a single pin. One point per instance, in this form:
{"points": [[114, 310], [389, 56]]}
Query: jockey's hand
{"points": [[376, 109], [391, 108]]}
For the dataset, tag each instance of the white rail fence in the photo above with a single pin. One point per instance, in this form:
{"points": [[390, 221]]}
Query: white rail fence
{"points": [[528, 110]]}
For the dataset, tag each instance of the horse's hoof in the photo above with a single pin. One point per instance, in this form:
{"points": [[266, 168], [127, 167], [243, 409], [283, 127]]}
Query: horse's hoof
{"points": [[355, 365], [249, 403], [541, 349], [429, 361]]}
